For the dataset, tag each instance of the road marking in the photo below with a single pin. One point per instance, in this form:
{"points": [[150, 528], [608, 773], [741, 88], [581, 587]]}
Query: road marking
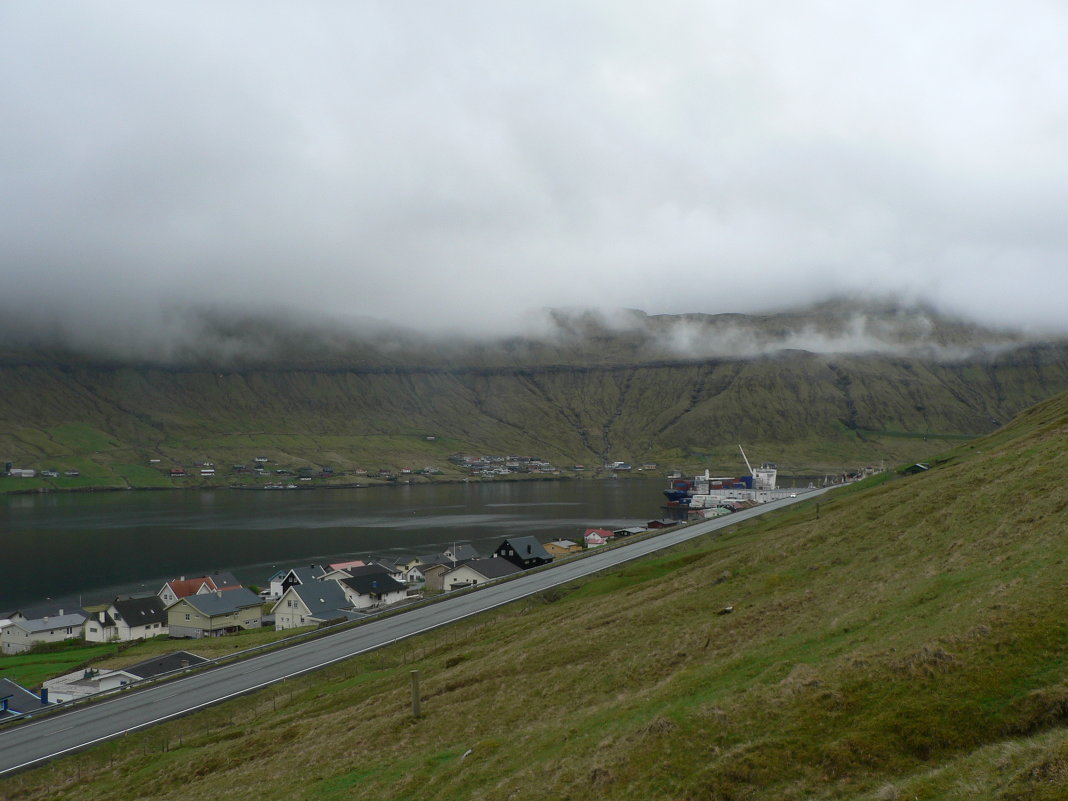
{"points": [[610, 559]]}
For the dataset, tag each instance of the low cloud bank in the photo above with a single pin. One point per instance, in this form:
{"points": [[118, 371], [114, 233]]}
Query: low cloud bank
{"points": [[230, 336], [448, 170]]}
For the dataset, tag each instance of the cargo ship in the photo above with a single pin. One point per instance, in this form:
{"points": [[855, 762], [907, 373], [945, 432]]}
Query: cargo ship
{"points": [[706, 491]]}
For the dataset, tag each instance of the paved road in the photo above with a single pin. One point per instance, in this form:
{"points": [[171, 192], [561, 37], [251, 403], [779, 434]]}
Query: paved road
{"points": [[25, 745]]}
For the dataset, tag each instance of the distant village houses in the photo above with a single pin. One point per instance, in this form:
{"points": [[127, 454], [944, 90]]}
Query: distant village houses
{"points": [[216, 604]]}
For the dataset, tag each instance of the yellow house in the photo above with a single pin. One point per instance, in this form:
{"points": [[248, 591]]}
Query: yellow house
{"points": [[559, 548], [214, 614]]}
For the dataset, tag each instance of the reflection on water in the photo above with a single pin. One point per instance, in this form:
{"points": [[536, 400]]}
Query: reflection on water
{"points": [[96, 544]]}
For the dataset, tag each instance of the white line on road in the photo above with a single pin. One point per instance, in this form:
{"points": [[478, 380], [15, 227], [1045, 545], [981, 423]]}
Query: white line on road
{"points": [[569, 572]]}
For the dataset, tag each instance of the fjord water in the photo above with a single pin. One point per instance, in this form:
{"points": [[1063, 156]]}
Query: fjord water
{"points": [[89, 546]]}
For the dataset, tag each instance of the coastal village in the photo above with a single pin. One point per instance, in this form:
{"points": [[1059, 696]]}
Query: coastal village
{"points": [[216, 604], [276, 472], [265, 471]]}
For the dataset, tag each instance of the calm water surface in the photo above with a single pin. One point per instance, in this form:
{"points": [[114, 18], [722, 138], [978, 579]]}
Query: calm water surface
{"points": [[90, 546]]}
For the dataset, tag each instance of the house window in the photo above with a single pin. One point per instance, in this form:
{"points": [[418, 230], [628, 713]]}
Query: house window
{"points": [[93, 629], [187, 616], [70, 630]]}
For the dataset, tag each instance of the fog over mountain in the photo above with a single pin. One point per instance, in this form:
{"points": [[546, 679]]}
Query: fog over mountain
{"points": [[566, 336], [459, 168]]}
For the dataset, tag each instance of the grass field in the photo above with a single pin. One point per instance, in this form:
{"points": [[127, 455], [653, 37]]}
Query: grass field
{"points": [[31, 669]]}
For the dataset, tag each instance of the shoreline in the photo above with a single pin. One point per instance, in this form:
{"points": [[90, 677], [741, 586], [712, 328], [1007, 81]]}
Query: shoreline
{"points": [[299, 488]]}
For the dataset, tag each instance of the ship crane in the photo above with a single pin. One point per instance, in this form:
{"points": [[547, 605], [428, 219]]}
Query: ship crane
{"points": [[749, 466]]}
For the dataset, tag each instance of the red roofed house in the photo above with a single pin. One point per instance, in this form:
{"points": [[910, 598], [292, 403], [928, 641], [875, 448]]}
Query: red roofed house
{"points": [[176, 589], [347, 565], [597, 536]]}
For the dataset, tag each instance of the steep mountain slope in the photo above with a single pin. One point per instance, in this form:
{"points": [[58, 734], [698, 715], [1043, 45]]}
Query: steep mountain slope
{"points": [[633, 393], [902, 638]]}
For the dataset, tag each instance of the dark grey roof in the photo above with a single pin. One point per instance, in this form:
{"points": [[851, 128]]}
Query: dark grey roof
{"points": [[141, 611], [305, 574], [491, 567], [388, 563], [103, 618], [222, 603], [38, 611], [369, 570], [224, 578], [465, 551], [164, 664], [422, 567], [324, 599], [66, 620], [374, 583], [20, 699], [526, 548]]}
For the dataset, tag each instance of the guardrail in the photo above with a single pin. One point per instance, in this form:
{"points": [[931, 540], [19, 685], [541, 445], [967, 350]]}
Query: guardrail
{"points": [[327, 631]]}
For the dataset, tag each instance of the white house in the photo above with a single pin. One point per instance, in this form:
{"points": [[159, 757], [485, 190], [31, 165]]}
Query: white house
{"points": [[373, 590], [86, 682], [416, 575], [311, 604], [595, 537], [460, 553], [286, 578], [81, 683], [30, 627], [478, 571], [128, 618], [428, 576]]}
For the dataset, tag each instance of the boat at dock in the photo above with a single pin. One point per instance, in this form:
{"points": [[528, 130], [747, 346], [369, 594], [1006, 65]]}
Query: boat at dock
{"points": [[705, 495]]}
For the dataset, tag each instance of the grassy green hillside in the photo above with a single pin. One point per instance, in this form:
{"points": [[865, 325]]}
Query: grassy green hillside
{"points": [[904, 638], [808, 412]]}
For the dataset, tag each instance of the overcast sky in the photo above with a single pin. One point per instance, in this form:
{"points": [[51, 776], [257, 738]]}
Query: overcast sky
{"points": [[444, 164]]}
